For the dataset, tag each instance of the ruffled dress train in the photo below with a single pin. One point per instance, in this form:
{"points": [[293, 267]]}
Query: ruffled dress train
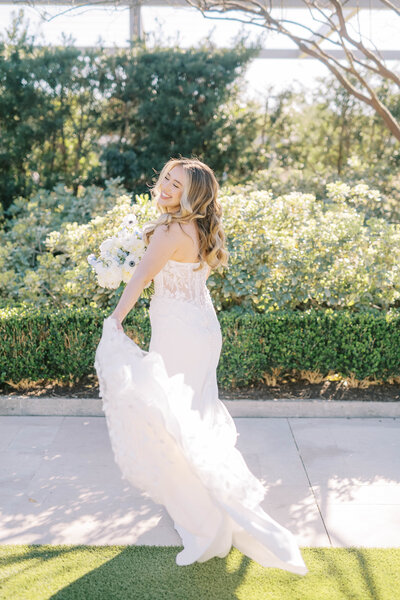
{"points": [[172, 437]]}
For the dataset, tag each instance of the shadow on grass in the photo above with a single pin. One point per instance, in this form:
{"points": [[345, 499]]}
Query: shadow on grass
{"points": [[351, 570], [150, 573]]}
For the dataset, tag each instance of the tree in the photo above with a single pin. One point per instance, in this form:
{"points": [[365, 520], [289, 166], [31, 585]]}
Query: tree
{"points": [[361, 71], [49, 109], [169, 101], [84, 116]]}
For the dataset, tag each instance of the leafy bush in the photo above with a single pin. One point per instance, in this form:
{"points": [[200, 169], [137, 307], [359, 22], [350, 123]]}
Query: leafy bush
{"points": [[84, 116], [170, 101], [356, 344], [313, 137], [286, 252], [63, 276], [23, 250], [376, 191], [296, 252]]}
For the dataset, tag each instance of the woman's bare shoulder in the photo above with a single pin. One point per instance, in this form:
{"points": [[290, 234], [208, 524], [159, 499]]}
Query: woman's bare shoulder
{"points": [[190, 227], [169, 229], [186, 236], [179, 229]]}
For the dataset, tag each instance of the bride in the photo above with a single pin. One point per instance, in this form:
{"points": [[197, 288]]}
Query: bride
{"points": [[171, 435]]}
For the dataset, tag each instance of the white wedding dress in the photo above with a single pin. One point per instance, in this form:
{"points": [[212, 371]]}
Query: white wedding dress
{"points": [[174, 439]]}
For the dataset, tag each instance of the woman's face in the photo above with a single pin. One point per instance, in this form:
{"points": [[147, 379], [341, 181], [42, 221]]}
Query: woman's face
{"points": [[171, 189]]}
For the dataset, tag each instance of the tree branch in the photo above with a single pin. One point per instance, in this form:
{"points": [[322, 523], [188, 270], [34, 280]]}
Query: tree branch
{"points": [[260, 14], [360, 46], [392, 6]]}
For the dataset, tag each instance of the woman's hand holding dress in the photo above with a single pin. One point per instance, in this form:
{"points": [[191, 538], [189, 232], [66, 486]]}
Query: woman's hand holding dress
{"points": [[119, 324]]}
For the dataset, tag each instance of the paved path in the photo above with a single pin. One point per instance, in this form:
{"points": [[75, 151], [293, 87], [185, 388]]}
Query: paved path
{"points": [[332, 482]]}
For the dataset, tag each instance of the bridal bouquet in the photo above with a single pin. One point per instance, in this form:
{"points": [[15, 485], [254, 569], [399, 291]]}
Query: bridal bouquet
{"points": [[119, 255]]}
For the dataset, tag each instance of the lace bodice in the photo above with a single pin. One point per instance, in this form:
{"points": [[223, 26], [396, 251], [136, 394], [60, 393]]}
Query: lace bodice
{"points": [[179, 280]]}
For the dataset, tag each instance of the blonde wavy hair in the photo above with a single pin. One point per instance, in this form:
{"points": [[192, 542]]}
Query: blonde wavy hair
{"points": [[199, 202]]}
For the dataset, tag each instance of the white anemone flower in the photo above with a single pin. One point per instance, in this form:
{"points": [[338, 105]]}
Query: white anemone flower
{"points": [[119, 255], [128, 267], [129, 220]]}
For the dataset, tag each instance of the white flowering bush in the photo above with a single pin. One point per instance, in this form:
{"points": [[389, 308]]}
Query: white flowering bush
{"points": [[117, 234], [293, 251], [23, 236], [62, 276], [375, 188], [288, 251]]}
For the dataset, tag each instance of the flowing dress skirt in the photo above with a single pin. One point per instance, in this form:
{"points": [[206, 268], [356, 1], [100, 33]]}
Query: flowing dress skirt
{"points": [[175, 440]]}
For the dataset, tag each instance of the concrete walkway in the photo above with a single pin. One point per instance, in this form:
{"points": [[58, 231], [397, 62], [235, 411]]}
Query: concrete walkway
{"points": [[332, 481]]}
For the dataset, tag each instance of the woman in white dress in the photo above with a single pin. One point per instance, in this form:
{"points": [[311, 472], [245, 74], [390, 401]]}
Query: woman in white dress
{"points": [[171, 435]]}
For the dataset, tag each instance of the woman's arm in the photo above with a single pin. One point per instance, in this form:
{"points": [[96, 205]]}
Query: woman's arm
{"points": [[163, 243]]}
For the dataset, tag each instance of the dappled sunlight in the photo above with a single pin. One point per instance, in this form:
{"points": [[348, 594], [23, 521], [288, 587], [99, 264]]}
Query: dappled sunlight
{"points": [[354, 477], [381, 489]]}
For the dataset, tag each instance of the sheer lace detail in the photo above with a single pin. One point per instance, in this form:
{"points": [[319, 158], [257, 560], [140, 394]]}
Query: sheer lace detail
{"points": [[180, 281]]}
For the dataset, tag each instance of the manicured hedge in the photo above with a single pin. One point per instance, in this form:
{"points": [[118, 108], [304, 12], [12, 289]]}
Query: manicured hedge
{"points": [[61, 344], [362, 344]]}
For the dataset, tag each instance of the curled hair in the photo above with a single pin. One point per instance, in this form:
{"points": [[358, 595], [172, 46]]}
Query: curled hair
{"points": [[199, 202]]}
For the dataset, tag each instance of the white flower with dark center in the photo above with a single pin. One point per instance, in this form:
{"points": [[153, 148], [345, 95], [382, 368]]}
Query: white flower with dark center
{"points": [[128, 267], [119, 255], [129, 220]]}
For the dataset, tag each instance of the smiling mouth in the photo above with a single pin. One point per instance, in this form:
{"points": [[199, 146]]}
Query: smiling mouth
{"points": [[164, 196]]}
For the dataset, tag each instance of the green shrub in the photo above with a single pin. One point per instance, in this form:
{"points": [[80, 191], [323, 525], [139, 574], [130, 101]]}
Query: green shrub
{"points": [[361, 345], [82, 116], [38, 344], [24, 252], [287, 252], [296, 252]]}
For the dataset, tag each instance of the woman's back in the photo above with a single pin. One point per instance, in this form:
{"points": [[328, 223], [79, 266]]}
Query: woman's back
{"points": [[189, 246]]}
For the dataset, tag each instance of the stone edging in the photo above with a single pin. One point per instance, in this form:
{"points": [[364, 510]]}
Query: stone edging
{"points": [[85, 407]]}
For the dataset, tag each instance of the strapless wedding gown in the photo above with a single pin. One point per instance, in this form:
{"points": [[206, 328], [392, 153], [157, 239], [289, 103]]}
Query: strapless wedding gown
{"points": [[173, 438]]}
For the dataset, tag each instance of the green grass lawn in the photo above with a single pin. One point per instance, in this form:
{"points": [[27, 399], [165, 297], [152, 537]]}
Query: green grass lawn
{"points": [[35, 572]]}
